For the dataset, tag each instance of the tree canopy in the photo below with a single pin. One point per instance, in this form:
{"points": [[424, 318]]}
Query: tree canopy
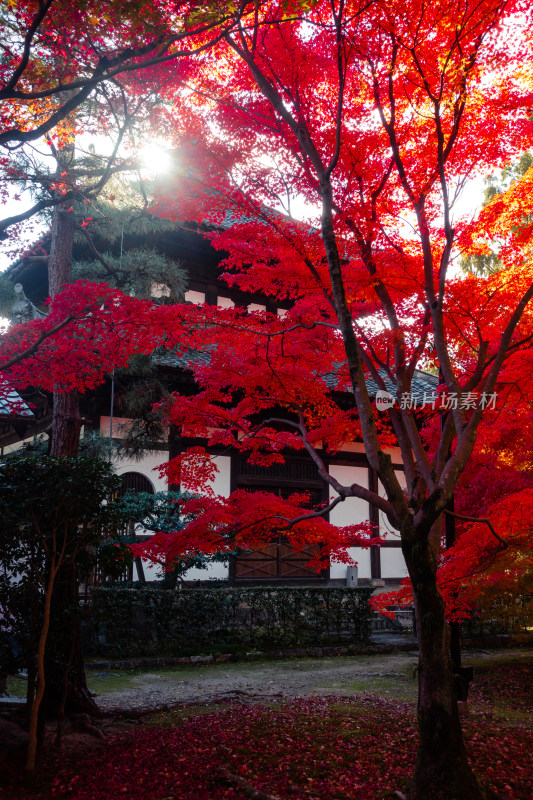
{"points": [[374, 115]]}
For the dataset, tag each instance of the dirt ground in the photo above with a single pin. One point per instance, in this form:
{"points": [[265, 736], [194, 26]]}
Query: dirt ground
{"points": [[261, 681], [389, 675]]}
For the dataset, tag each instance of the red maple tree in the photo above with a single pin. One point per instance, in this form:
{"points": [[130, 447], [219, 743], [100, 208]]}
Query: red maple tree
{"points": [[376, 114]]}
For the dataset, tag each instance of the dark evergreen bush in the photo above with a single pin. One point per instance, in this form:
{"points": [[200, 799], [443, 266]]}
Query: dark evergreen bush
{"points": [[125, 623]]}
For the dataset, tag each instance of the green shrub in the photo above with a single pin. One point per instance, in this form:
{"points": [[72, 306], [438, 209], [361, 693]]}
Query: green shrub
{"points": [[125, 623]]}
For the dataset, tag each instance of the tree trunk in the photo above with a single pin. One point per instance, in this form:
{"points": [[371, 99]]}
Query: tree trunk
{"points": [[66, 415], [442, 770], [65, 433], [66, 424], [61, 240], [31, 755], [67, 694]]}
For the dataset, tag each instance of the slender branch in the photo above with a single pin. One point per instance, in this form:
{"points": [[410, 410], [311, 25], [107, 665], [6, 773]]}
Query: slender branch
{"points": [[419, 348], [467, 436], [481, 364], [484, 521], [341, 71], [96, 253], [62, 199], [30, 212], [105, 70], [314, 514], [31, 350], [485, 564], [108, 68], [344, 491], [298, 127], [510, 349]]}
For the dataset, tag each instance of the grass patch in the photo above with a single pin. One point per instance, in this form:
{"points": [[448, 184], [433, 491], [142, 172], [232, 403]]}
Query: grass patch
{"points": [[114, 681], [17, 686], [101, 683], [402, 688]]}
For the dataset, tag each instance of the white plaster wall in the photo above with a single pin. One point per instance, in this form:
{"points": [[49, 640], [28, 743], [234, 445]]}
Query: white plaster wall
{"points": [[152, 572], [392, 563], [221, 485], [384, 525], [145, 466], [217, 571], [225, 302], [195, 297], [350, 512], [392, 560], [338, 569]]}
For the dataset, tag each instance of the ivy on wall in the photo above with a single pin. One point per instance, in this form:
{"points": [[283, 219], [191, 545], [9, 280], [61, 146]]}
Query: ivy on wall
{"points": [[127, 623]]}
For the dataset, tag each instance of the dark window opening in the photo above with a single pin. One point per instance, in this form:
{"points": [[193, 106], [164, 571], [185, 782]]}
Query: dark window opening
{"points": [[136, 482]]}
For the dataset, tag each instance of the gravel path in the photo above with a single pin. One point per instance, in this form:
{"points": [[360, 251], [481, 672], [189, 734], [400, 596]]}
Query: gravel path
{"points": [[250, 682]]}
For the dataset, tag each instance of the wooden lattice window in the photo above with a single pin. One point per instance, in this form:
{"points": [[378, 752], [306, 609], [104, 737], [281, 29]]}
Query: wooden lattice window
{"points": [[279, 560]]}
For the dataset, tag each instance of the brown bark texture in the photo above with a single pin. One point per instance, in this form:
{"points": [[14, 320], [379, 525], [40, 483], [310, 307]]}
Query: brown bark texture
{"points": [[442, 770], [65, 432], [65, 652]]}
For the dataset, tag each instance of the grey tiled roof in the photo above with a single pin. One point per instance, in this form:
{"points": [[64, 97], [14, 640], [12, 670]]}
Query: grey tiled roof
{"points": [[422, 382], [235, 217], [168, 358], [12, 406]]}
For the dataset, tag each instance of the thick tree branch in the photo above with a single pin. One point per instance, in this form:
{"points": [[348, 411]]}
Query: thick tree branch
{"points": [[26, 50], [343, 491], [105, 70], [314, 514]]}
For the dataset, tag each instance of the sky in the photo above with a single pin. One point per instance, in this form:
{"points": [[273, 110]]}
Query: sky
{"points": [[154, 156]]}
